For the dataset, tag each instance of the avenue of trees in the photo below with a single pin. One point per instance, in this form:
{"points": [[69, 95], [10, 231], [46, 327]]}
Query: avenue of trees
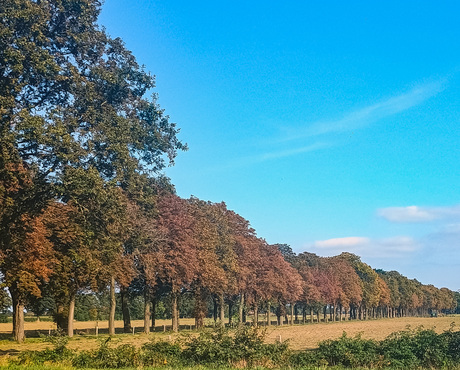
{"points": [[84, 207]]}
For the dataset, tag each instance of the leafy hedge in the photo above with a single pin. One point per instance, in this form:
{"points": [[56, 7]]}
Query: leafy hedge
{"points": [[244, 348], [409, 349]]}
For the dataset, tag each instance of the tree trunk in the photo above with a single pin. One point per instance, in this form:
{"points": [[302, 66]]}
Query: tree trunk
{"points": [[230, 312], [61, 317], [215, 309], [200, 307], [222, 309], [125, 310], [325, 313], [147, 312], [241, 307], [175, 312], [269, 319], [154, 309], [292, 313], [71, 316], [18, 318], [256, 314], [113, 304]]}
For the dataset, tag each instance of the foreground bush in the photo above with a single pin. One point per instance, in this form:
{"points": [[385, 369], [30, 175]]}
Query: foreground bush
{"points": [[245, 348], [60, 353], [409, 349]]}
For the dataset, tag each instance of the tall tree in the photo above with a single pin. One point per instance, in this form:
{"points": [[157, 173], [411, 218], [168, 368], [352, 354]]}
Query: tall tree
{"points": [[175, 229], [70, 97]]}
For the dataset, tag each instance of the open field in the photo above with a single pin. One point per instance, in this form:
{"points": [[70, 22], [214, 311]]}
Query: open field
{"points": [[300, 336]]}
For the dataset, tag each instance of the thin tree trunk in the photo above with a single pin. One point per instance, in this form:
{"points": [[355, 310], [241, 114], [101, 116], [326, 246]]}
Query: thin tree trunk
{"points": [[175, 312], [147, 312], [256, 314], [222, 309], [230, 312], [214, 311], [71, 316], [154, 311], [125, 310], [241, 307], [292, 313], [113, 304], [18, 318], [269, 319]]}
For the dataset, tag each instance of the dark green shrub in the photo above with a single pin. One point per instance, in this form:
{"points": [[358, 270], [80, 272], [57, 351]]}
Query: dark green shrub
{"points": [[160, 353], [417, 348], [245, 348], [59, 352], [453, 349], [105, 356], [398, 350], [349, 352], [305, 359]]}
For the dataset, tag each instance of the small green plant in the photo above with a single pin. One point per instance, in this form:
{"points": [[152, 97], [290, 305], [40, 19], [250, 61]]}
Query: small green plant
{"points": [[105, 356], [349, 352], [245, 348], [418, 348], [59, 353], [157, 353]]}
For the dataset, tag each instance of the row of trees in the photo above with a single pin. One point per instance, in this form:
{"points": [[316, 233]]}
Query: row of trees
{"points": [[165, 246], [84, 207]]}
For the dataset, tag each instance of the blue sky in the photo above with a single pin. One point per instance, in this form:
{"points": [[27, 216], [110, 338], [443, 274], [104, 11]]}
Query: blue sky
{"points": [[329, 125]]}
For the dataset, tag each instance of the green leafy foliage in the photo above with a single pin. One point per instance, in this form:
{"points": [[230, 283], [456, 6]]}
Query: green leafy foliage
{"points": [[246, 347], [58, 354], [350, 352], [420, 348], [409, 349], [125, 355], [157, 353]]}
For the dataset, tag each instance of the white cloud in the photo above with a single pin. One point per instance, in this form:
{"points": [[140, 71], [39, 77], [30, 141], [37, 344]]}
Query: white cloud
{"points": [[350, 241], [367, 247], [418, 214]]}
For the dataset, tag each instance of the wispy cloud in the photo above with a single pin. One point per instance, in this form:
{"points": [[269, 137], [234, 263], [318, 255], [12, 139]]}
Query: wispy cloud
{"points": [[418, 214], [367, 247], [288, 152], [363, 117], [350, 241], [351, 121]]}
